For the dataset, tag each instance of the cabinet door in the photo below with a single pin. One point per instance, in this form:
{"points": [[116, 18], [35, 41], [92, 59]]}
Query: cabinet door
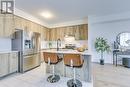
{"points": [[1, 25], [9, 25], [34, 27], [18, 22], [77, 34], [47, 35], [43, 34], [53, 34], [83, 31], [3, 64], [6, 25], [59, 33], [13, 62], [27, 25], [39, 27], [37, 59]]}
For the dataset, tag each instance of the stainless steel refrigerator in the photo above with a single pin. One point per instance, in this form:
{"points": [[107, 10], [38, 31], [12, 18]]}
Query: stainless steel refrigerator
{"points": [[28, 45]]}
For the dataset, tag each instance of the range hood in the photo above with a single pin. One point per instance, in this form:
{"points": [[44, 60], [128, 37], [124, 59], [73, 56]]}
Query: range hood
{"points": [[70, 42]]}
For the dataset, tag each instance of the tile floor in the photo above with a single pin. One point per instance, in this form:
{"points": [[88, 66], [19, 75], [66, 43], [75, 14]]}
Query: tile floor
{"points": [[34, 78]]}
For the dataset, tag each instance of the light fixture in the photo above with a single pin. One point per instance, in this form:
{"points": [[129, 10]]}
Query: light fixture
{"points": [[47, 14]]}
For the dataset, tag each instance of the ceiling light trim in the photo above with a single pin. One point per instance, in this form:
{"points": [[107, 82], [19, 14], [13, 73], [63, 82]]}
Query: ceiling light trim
{"points": [[69, 23], [28, 16]]}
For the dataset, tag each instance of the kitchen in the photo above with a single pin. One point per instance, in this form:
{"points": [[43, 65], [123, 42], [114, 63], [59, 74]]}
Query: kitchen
{"points": [[25, 42], [49, 43], [45, 43]]}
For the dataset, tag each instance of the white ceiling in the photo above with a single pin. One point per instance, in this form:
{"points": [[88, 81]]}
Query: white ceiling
{"points": [[71, 10]]}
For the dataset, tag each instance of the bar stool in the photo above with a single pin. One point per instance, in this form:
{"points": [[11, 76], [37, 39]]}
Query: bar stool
{"points": [[51, 59], [73, 61]]}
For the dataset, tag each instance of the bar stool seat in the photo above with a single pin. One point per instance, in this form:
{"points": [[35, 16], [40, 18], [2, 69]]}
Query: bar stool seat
{"points": [[73, 61], [52, 59]]}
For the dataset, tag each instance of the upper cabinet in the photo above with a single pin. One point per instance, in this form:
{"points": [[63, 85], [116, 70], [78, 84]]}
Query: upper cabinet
{"points": [[21, 23], [45, 34], [6, 25], [18, 23], [1, 25], [79, 31]]}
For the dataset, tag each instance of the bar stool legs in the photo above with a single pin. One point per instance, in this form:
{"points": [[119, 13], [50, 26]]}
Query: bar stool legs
{"points": [[74, 82], [53, 78]]}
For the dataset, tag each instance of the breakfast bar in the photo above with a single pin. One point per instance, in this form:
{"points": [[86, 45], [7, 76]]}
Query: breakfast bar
{"points": [[83, 73]]}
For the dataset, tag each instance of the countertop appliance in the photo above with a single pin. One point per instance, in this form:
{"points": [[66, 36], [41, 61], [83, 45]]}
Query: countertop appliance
{"points": [[28, 45]]}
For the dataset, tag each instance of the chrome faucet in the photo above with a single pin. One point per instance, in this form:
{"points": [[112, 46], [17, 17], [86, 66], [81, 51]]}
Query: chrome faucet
{"points": [[58, 44]]}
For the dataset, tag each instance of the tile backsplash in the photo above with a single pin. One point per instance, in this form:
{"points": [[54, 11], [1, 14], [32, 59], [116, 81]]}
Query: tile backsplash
{"points": [[5, 44], [45, 44]]}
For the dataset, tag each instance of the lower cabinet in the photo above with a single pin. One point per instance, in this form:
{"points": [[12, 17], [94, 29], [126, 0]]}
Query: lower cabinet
{"points": [[8, 63], [13, 62], [3, 64]]}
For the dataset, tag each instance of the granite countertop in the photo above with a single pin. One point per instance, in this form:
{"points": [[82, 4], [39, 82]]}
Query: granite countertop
{"points": [[65, 51], [8, 52]]}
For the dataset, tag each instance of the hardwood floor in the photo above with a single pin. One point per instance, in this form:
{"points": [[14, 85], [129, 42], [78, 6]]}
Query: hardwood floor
{"points": [[111, 76]]}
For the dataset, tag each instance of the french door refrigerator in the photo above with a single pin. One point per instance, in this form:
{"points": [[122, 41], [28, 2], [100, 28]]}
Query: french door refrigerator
{"points": [[28, 45]]}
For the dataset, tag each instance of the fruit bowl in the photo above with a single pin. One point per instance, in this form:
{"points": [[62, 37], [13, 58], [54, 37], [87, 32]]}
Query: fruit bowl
{"points": [[80, 49]]}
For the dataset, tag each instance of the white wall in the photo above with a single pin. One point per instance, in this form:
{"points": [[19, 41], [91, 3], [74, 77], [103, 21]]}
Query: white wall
{"points": [[79, 43], [5, 44], [108, 27]]}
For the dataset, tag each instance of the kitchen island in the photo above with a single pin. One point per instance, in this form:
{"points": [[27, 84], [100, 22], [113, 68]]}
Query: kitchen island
{"points": [[83, 73]]}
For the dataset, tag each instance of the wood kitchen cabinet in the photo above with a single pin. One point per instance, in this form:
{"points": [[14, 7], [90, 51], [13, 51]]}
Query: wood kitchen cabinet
{"points": [[47, 36], [17, 22], [20, 23], [13, 62], [3, 64], [43, 35], [43, 31], [9, 25], [1, 26], [23, 24], [53, 34], [6, 25], [27, 25], [34, 27], [83, 32], [8, 63], [79, 31]]}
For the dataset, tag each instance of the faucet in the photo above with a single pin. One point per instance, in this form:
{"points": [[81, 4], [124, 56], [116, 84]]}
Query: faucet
{"points": [[58, 44]]}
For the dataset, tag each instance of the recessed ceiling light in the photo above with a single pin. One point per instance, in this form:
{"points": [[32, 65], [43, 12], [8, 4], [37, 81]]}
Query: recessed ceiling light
{"points": [[47, 14]]}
